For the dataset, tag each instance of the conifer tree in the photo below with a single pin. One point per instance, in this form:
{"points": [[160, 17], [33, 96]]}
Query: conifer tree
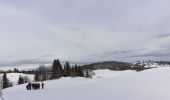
{"points": [[16, 70], [36, 77], [57, 70], [21, 80], [64, 69], [79, 71], [67, 69], [5, 81]]}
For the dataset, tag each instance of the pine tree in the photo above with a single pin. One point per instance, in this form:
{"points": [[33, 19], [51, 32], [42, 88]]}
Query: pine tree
{"points": [[36, 77], [57, 70], [21, 80], [65, 73], [79, 71], [67, 69], [76, 70], [5, 81], [73, 72]]}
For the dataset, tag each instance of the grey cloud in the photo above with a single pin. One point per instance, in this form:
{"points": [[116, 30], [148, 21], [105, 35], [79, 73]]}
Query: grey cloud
{"points": [[116, 55], [153, 55], [162, 35], [46, 56], [123, 52], [26, 61], [81, 30]]}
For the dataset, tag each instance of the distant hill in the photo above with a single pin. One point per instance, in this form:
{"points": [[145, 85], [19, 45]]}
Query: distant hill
{"points": [[118, 66], [112, 65]]}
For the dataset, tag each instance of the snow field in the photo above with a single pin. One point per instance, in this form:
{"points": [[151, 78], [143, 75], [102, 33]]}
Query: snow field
{"points": [[152, 84]]}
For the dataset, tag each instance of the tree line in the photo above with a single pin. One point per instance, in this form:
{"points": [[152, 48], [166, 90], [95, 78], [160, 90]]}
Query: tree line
{"points": [[57, 71], [43, 73]]}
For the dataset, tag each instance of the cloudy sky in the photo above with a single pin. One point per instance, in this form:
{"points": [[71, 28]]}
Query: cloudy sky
{"points": [[84, 30]]}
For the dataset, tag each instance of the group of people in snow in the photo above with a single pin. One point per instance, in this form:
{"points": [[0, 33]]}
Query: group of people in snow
{"points": [[35, 86]]}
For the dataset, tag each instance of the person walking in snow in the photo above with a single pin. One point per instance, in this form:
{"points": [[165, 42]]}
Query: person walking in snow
{"points": [[28, 86], [33, 86], [38, 85], [42, 85]]}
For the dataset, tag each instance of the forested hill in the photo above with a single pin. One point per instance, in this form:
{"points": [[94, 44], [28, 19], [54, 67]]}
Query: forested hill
{"points": [[112, 65], [115, 65]]}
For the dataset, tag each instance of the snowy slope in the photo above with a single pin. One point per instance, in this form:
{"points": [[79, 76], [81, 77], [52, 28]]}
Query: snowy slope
{"points": [[110, 73], [13, 77], [152, 84]]}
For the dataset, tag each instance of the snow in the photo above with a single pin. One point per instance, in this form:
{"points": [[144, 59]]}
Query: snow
{"points": [[152, 84], [13, 77], [110, 73], [151, 64]]}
